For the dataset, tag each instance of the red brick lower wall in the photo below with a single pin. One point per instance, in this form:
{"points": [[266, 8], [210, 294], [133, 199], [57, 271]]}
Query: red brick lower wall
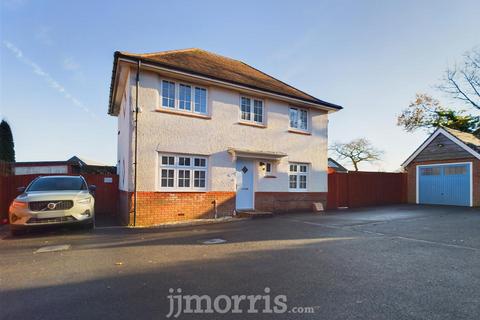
{"points": [[412, 178], [283, 202], [160, 207]]}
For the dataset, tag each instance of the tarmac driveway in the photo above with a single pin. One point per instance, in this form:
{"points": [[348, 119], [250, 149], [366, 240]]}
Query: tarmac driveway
{"points": [[397, 262]]}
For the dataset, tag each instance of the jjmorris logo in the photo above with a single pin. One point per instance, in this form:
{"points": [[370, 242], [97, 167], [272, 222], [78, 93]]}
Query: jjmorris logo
{"points": [[182, 303]]}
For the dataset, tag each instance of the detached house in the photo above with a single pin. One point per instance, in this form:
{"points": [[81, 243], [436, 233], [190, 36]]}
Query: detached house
{"points": [[213, 134]]}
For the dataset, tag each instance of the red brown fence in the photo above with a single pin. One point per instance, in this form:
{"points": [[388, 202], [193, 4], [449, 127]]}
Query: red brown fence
{"points": [[6, 168], [363, 189], [106, 194]]}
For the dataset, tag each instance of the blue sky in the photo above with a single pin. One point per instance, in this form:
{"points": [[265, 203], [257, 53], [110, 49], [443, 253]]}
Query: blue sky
{"points": [[369, 56]]}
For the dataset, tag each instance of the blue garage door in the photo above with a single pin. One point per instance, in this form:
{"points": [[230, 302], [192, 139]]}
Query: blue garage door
{"points": [[445, 184]]}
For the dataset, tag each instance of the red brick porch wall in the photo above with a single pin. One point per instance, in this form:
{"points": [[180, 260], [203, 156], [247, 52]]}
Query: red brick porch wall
{"points": [[283, 202], [160, 207]]}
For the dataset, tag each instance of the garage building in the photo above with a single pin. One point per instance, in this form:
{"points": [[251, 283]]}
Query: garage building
{"points": [[445, 170]]}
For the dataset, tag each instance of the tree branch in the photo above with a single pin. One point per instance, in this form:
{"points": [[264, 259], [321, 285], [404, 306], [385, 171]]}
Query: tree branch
{"points": [[458, 91]]}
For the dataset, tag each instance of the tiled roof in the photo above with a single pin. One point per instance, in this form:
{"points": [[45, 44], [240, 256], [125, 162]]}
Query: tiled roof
{"points": [[468, 138], [214, 66], [334, 164]]}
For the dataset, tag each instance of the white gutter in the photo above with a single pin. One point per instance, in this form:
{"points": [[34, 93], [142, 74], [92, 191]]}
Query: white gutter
{"points": [[231, 85]]}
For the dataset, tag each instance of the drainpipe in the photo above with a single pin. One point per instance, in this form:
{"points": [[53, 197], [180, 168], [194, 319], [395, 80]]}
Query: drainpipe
{"points": [[136, 146], [214, 202]]}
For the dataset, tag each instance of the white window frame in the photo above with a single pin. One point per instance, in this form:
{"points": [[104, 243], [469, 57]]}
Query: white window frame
{"points": [[298, 174], [267, 164], [174, 94], [298, 115], [176, 176], [252, 110], [193, 99], [177, 97], [267, 169]]}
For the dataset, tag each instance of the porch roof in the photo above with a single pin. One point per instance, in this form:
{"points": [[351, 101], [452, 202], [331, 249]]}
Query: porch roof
{"points": [[256, 154]]}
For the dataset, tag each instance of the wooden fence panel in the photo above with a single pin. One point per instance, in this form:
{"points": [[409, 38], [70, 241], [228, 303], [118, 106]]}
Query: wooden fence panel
{"points": [[362, 189], [106, 195], [337, 190]]}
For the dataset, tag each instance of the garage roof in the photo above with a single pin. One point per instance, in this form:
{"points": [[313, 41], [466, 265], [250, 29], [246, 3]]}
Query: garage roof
{"points": [[468, 141]]}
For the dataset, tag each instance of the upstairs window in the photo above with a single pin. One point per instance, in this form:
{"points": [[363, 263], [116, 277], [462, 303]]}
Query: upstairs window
{"points": [[245, 108], [299, 119], [200, 100], [183, 97], [297, 177], [168, 94], [251, 110], [258, 111]]}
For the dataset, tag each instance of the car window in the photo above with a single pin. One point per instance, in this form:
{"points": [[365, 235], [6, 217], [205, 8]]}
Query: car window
{"points": [[61, 183]]}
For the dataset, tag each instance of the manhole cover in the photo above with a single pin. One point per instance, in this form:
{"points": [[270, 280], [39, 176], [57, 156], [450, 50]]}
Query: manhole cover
{"points": [[61, 247], [214, 241]]}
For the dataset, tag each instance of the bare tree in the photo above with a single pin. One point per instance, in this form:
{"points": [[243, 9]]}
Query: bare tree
{"points": [[463, 82], [358, 150]]}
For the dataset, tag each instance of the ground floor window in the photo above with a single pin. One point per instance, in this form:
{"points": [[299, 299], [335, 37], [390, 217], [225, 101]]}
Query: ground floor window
{"points": [[182, 173], [297, 176], [266, 168]]}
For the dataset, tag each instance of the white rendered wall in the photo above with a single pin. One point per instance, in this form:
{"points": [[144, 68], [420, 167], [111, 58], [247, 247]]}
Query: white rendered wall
{"points": [[170, 133], [125, 136]]}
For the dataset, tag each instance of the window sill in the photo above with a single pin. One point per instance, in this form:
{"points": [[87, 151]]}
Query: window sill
{"points": [[300, 132], [251, 124], [186, 114], [181, 191]]}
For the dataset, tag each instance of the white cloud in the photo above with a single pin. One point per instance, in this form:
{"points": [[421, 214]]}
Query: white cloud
{"points": [[48, 79]]}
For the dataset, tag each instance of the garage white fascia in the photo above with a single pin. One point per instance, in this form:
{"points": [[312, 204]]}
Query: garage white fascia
{"points": [[433, 136], [417, 200]]}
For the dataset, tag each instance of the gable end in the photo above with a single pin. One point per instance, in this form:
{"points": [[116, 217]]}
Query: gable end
{"points": [[441, 145], [442, 148]]}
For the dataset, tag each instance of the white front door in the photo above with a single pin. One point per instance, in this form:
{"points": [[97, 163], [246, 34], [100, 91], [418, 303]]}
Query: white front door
{"points": [[244, 197]]}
